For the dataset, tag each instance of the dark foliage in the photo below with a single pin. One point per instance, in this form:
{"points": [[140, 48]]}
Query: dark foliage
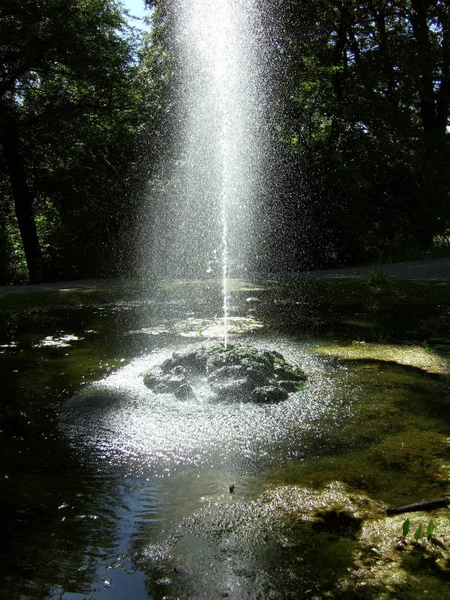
{"points": [[359, 94], [68, 117]]}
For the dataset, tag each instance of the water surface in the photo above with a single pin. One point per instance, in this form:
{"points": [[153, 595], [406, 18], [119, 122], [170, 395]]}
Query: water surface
{"points": [[98, 472]]}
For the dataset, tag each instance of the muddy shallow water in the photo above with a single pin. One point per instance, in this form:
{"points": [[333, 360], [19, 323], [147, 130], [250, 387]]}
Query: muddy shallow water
{"points": [[111, 491]]}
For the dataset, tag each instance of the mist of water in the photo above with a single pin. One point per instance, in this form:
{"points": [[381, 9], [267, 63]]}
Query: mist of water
{"points": [[205, 197]]}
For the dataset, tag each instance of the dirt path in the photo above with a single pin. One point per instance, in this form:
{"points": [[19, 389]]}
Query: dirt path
{"points": [[428, 269], [60, 286]]}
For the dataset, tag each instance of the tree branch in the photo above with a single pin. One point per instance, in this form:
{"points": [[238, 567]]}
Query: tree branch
{"points": [[418, 506]]}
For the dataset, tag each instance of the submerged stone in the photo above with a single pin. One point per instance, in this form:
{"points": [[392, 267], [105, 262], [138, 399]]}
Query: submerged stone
{"points": [[269, 393], [232, 372]]}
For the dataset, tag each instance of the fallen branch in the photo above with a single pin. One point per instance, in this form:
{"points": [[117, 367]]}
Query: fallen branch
{"points": [[429, 505]]}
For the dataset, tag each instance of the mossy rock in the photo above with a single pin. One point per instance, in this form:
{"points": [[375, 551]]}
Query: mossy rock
{"points": [[232, 372]]}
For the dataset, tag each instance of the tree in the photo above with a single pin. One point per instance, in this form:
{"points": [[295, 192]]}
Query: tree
{"points": [[65, 97], [368, 116], [360, 113]]}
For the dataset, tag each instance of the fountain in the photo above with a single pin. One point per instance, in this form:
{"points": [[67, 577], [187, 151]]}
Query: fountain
{"points": [[204, 224], [203, 200], [205, 197], [146, 463], [177, 404], [202, 211]]}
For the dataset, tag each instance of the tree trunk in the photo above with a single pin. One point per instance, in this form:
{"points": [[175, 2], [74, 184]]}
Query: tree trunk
{"points": [[23, 202], [340, 56], [384, 50], [444, 90], [434, 102], [427, 96]]}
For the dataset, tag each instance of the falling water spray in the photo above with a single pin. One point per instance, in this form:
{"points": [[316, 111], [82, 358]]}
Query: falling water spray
{"points": [[223, 56], [206, 197]]}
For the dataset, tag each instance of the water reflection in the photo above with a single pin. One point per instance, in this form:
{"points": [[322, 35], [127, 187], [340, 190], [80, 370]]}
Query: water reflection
{"points": [[95, 476], [123, 422], [59, 518]]}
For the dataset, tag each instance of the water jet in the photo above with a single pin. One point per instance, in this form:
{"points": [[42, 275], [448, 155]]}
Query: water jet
{"points": [[204, 199]]}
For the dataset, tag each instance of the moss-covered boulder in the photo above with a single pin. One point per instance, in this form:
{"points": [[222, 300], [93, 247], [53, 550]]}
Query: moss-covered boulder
{"points": [[228, 372]]}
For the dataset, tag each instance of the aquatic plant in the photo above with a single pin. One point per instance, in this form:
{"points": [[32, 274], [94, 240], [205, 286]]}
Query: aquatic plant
{"points": [[418, 533], [405, 527], [378, 277], [430, 528]]}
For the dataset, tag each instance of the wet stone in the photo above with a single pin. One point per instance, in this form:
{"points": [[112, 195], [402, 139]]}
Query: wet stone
{"points": [[235, 372], [269, 393], [233, 388], [288, 386], [174, 382]]}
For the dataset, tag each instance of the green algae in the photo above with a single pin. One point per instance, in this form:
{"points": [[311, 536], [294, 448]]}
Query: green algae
{"points": [[411, 447], [401, 567], [408, 355], [406, 310], [329, 542], [389, 446], [71, 298], [390, 439]]}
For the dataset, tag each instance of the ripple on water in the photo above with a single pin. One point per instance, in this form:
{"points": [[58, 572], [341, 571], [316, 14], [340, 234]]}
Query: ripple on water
{"points": [[125, 423]]}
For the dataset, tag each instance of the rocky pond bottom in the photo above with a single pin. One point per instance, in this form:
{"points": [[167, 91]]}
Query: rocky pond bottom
{"points": [[294, 542]]}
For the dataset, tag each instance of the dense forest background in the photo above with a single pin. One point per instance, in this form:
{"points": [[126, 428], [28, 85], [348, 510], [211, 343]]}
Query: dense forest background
{"points": [[361, 98]]}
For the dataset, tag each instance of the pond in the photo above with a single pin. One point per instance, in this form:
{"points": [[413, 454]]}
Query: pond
{"points": [[111, 491]]}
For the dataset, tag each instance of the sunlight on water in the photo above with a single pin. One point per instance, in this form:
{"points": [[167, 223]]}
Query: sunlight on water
{"points": [[123, 422], [193, 327], [62, 341]]}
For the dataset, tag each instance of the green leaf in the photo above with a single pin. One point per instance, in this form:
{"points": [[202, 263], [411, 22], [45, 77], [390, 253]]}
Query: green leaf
{"points": [[418, 533], [406, 526], [430, 528]]}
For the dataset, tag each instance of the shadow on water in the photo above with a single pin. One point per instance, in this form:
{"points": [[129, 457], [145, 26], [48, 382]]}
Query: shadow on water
{"points": [[106, 486]]}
